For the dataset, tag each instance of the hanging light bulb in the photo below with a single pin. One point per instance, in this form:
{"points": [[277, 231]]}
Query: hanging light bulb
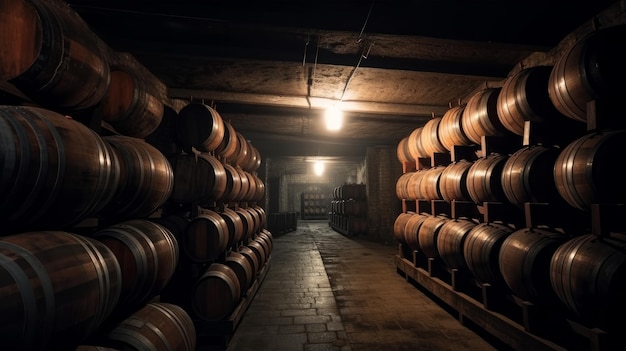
{"points": [[334, 117], [318, 167]]}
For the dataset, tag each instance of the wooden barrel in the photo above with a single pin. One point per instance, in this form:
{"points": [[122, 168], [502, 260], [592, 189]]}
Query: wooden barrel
{"points": [[453, 181], [250, 189], [129, 104], [199, 126], [259, 192], [527, 176], [50, 54], [241, 153], [450, 129], [585, 171], [411, 229], [524, 97], [415, 146], [266, 247], [248, 223], [256, 221], [481, 250], [588, 274], [252, 258], [216, 293], [263, 216], [259, 250], [146, 179], [402, 186], [198, 178], [228, 146], [267, 236], [398, 226], [429, 183], [427, 234], [589, 70], [158, 326], [429, 138], [147, 253], [242, 267], [206, 238], [402, 151], [253, 161], [480, 116], [235, 226], [484, 179], [450, 242], [55, 171], [413, 187], [245, 185], [58, 288], [524, 262], [233, 184]]}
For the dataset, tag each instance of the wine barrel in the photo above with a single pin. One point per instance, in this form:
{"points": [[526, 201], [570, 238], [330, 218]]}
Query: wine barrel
{"points": [[147, 253], [228, 146], [480, 116], [51, 55], [450, 242], [146, 179], [402, 186], [253, 161], [429, 138], [592, 69], [241, 153], [267, 236], [248, 223], [233, 184], [524, 97], [199, 126], [266, 247], [524, 261], [484, 179], [216, 293], [481, 250], [588, 274], [527, 176], [398, 227], [415, 146], [158, 326], [206, 238], [245, 185], [427, 234], [129, 104], [411, 230], [585, 171], [450, 129], [429, 183], [198, 178], [402, 151], [55, 171], [242, 267], [259, 250], [453, 181], [235, 226], [58, 288], [252, 258]]}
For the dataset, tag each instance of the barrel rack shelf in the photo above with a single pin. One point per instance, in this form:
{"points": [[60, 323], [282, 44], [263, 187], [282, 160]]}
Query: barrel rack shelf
{"points": [[217, 334]]}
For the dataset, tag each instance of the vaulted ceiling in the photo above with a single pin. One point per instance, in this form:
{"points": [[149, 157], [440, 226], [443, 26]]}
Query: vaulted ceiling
{"points": [[270, 67]]}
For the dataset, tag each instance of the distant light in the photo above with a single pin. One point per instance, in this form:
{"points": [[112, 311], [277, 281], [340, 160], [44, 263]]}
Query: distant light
{"points": [[334, 118], [318, 168]]}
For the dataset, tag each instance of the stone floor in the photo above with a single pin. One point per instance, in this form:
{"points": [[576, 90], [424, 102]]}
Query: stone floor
{"points": [[326, 291]]}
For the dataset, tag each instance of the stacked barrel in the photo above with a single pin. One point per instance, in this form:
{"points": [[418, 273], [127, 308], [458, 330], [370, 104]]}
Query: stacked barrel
{"points": [[80, 251], [349, 209], [314, 205], [518, 189], [214, 209]]}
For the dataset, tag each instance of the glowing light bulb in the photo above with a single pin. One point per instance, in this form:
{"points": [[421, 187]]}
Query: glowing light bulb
{"points": [[318, 168], [334, 118]]}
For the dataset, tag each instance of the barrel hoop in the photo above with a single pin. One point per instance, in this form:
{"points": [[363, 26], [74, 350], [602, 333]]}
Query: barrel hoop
{"points": [[26, 288], [130, 337]]}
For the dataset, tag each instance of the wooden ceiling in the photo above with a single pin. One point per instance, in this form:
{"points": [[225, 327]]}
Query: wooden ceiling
{"points": [[270, 67]]}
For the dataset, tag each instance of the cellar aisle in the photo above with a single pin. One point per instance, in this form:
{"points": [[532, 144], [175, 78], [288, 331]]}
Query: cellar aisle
{"points": [[326, 291]]}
